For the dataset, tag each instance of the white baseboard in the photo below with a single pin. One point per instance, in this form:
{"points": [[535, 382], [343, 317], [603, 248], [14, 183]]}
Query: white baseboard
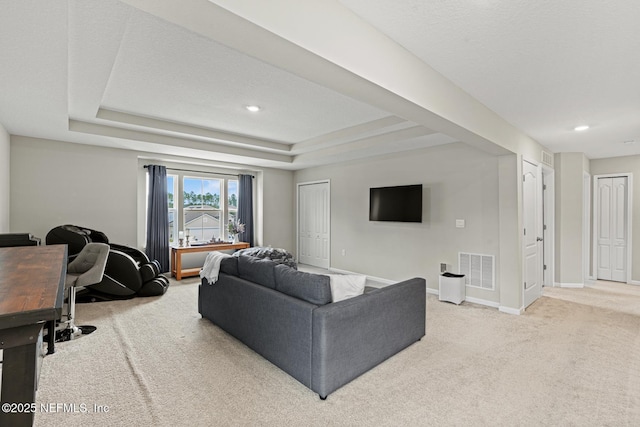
{"points": [[569, 285], [469, 299], [482, 302], [635, 282], [509, 310]]}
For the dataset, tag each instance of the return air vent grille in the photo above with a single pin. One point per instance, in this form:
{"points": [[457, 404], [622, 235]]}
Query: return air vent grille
{"points": [[478, 270], [547, 158]]}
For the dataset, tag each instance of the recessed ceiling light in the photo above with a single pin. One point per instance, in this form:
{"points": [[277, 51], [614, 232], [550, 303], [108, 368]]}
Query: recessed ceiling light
{"points": [[253, 108], [581, 128]]}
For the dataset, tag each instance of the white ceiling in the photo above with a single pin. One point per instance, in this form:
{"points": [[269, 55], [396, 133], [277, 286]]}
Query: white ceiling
{"points": [[175, 83]]}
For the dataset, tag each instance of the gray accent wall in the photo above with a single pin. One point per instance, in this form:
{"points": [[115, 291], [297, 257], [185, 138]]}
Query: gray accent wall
{"points": [[459, 182], [4, 179]]}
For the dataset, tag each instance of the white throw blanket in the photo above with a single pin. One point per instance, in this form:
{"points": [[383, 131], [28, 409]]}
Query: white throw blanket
{"points": [[211, 266]]}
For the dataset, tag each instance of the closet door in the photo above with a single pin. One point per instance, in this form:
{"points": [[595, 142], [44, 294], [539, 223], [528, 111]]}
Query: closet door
{"points": [[313, 224], [612, 228]]}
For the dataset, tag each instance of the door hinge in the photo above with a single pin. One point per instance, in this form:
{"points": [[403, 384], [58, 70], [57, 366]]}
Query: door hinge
{"points": [[525, 285], [544, 226], [525, 231], [544, 187], [544, 267]]}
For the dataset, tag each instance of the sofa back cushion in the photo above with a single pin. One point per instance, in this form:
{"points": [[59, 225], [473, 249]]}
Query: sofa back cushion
{"points": [[257, 270], [313, 288], [229, 265]]}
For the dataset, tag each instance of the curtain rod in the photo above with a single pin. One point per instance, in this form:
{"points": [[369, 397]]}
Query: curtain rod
{"points": [[188, 170]]}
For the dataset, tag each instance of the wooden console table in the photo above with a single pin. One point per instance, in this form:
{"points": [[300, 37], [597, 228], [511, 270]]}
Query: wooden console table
{"points": [[177, 252], [31, 293]]}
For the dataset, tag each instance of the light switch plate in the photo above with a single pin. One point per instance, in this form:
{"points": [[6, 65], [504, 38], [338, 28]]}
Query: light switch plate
{"points": [[459, 223]]}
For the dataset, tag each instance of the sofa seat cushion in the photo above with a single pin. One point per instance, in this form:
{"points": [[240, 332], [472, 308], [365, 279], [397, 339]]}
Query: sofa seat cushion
{"points": [[257, 270], [313, 288]]}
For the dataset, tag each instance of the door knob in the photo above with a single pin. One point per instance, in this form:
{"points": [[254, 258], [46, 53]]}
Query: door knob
{"points": [[538, 239]]}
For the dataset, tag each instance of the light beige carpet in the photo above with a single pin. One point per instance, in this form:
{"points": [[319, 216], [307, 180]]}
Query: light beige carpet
{"points": [[572, 359]]}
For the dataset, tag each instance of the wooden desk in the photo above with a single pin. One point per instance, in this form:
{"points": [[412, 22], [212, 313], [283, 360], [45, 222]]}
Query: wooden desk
{"points": [[31, 293], [176, 256]]}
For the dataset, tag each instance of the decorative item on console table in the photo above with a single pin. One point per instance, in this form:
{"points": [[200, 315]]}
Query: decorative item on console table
{"points": [[234, 228]]}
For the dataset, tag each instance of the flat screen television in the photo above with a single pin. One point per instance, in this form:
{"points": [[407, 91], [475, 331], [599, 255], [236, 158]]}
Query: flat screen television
{"points": [[398, 204]]}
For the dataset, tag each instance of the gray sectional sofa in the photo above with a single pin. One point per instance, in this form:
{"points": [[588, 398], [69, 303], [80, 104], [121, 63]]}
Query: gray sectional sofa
{"points": [[287, 317]]}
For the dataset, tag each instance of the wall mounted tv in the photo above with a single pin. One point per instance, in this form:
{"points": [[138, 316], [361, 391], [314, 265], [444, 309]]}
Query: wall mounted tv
{"points": [[398, 204]]}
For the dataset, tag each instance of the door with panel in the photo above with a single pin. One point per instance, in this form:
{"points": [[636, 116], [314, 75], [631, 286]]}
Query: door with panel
{"points": [[533, 233], [313, 224], [612, 229]]}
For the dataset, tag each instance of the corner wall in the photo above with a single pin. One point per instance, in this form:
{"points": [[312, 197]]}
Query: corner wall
{"points": [[459, 182], [5, 173], [569, 239]]}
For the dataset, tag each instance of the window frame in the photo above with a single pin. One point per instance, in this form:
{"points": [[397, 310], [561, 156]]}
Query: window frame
{"points": [[173, 238], [225, 210]]}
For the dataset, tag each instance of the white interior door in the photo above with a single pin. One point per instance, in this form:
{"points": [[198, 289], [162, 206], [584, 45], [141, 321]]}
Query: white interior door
{"points": [[612, 229], [313, 224], [532, 238]]}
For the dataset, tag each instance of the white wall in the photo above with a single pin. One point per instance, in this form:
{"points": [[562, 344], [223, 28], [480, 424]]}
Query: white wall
{"points": [[55, 183], [628, 164], [4, 179], [509, 260], [278, 209], [569, 168], [459, 182]]}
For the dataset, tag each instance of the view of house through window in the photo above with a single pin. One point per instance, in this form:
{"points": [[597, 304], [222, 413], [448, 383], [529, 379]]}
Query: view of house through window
{"points": [[201, 209], [200, 213]]}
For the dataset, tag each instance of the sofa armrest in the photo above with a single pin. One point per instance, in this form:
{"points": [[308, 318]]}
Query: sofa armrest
{"points": [[352, 336]]}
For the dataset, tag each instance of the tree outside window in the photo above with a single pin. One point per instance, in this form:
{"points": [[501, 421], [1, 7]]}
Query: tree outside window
{"points": [[202, 213], [232, 199]]}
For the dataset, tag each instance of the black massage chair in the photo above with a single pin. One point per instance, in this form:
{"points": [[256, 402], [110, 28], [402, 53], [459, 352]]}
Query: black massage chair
{"points": [[129, 272]]}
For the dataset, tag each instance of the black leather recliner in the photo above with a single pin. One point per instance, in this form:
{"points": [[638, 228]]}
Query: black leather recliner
{"points": [[129, 272]]}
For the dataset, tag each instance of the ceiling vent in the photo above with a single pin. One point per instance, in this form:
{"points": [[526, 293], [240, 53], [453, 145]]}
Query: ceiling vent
{"points": [[478, 270], [547, 158]]}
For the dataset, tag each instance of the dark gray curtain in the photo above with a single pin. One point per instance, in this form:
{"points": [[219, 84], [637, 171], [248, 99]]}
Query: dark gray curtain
{"points": [[158, 217], [245, 207]]}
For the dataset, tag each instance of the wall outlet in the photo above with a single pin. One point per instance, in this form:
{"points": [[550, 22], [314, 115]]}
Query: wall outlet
{"points": [[443, 267], [459, 223], [344, 252]]}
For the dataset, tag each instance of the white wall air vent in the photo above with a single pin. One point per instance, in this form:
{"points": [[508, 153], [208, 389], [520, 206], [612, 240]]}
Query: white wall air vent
{"points": [[479, 270], [547, 158]]}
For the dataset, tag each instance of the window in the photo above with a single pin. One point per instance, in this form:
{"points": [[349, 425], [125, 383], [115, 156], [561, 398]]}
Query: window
{"points": [[172, 182], [202, 214], [232, 199], [196, 206]]}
